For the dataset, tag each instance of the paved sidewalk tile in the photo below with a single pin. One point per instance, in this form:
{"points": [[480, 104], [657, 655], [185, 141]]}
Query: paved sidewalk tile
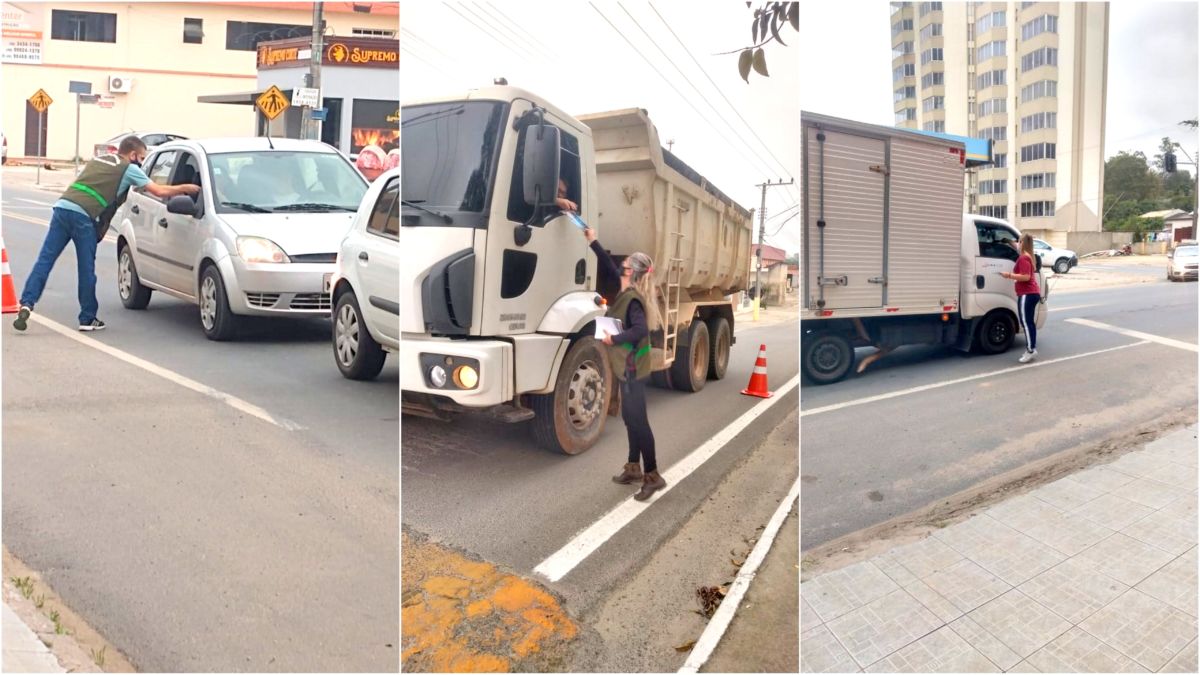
{"points": [[1003, 551], [1147, 630], [1112, 511], [1175, 474], [1073, 590], [820, 652], [1102, 478], [889, 565], [1184, 507], [1020, 622], [1140, 464], [1175, 584], [967, 585], [808, 617], [987, 644], [1184, 662], [933, 601], [1066, 494], [1152, 493], [1023, 667], [845, 590], [1125, 559], [1171, 533], [23, 651], [1078, 652], [926, 557], [882, 627], [1026, 511], [942, 651], [1068, 534]]}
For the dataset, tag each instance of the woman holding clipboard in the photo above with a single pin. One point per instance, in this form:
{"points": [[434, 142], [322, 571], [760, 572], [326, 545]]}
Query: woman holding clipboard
{"points": [[629, 354]]}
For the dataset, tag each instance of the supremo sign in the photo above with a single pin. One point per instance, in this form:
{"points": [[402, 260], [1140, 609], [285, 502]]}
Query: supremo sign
{"points": [[340, 53]]}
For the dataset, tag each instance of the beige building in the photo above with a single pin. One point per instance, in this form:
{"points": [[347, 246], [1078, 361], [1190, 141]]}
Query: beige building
{"points": [[1032, 77], [149, 62]]}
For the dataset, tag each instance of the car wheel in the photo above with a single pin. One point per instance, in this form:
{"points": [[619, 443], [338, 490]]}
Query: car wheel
{"points": [[570, 419], [996, 333], [216, 318], [133, 294], [1062, 266], [828, 357], [358, 355]]}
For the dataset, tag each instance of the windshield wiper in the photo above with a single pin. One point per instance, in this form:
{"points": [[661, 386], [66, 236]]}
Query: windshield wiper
{"points": [[246, 207], [314, 206], [445, 218]]}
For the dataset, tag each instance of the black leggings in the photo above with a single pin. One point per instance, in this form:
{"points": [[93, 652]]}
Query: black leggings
{"points": [[637, 425], [1027, 312]]}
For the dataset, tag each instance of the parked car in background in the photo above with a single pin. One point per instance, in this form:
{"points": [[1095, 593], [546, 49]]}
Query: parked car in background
{"points": [[261, 237], [1061, 259], [365, 285], [1182, 262], [152, 139]]}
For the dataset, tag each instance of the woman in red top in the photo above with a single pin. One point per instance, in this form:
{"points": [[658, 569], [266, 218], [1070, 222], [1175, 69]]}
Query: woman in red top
{"points": [[1028, 294]]}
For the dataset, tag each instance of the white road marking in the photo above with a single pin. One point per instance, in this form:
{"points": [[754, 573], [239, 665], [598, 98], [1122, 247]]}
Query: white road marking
{"points": [[1063, 309], [947, 383], [586, 542], [110, 237], [30, 201], [721, 619], [169, 375], [1136, 334]]}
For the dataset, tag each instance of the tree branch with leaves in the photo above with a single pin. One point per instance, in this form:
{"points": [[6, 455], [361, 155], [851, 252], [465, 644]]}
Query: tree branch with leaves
{"points": [[764, 29]]}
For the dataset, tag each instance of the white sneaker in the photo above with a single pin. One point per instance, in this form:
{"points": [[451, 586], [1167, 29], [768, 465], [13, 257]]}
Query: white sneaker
{"points": [[1028, 356]]}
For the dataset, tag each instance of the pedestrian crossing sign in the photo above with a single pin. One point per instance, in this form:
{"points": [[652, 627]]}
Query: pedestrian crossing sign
{"points": [[272, 102], [41, 100]]}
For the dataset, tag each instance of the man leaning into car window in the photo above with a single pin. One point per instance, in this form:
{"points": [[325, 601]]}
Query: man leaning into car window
{"points": [[103, 180]]}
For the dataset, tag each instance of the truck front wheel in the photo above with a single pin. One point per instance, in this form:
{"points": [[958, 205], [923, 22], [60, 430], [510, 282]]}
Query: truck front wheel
{"points": [[996, 333], [828, 357], [571, 419]]}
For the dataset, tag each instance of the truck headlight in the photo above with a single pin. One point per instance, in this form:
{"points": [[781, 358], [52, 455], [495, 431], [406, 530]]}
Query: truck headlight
{"points": [[437, 375], [259, 250], [465, 377]]}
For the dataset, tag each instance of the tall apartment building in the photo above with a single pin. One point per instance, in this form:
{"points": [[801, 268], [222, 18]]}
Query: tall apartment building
{"points": [[1031, 76]]}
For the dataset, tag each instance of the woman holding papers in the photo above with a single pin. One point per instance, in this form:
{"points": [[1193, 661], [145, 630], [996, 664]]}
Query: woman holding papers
{"points": [[629, 354]]}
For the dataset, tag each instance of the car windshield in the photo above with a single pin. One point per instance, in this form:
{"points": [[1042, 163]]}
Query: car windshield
{"points": [[284, 181], [1187, 252], [446, 158]]}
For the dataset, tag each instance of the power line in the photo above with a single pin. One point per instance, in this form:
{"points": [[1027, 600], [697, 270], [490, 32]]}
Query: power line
{"points": [[484, 30], [684, 98], [527, 52], [546, 52], [793, 206], [405, 48]]}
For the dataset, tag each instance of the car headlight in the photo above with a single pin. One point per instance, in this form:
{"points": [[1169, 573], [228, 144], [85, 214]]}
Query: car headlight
{"points": [[259, 250]]}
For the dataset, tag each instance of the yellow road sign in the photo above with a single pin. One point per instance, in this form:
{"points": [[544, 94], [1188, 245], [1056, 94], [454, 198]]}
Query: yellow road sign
{"points": [[41, 100], [272, 102]]}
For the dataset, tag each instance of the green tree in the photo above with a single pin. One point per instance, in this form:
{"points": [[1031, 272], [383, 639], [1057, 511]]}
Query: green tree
{"points": [[764, 29], [1127, 176], [1167, 145]]}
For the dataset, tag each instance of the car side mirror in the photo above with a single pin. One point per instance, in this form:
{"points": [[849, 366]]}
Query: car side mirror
{"points": [[540, 165], [181, 205]]}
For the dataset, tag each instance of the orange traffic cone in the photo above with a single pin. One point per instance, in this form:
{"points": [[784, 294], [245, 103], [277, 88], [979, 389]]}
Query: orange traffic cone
{"points": [[11, 305], [758, 379]]}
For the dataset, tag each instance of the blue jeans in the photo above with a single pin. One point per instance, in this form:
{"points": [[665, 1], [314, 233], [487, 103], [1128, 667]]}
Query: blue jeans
{"points": [[67, 226]]}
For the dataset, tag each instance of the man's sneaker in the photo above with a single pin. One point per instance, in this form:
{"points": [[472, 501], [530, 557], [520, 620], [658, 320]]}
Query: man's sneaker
{"points": [[1028, 356], [96, 324], [22, 321]]}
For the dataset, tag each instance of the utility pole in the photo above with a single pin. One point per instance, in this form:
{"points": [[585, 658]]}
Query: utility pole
{"points": [[312, 128], [762, 237]]}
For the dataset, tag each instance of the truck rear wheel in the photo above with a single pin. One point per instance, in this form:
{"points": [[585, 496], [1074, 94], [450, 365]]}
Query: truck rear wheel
{"points": [[996, 333], [828, 357], [718, 356], [690, 369], [571, 419]]}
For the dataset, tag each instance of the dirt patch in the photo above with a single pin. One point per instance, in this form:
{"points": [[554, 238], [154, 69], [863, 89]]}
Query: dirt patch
{"points": [[76, 644], [464, 615], [867, 543]]}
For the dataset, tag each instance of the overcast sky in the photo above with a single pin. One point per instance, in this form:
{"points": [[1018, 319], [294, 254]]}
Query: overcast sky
{"points": [[567, 52], [1152, 68]]}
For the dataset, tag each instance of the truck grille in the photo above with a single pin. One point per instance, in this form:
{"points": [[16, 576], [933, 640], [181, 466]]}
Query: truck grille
{"points": [[312, 301], [263, 300]]}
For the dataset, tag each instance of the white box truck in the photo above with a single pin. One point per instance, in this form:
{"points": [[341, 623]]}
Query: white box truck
{"points": [[888, 257], [500, 289]]}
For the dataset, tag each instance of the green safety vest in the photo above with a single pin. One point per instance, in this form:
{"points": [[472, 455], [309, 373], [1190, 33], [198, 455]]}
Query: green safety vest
{"points": [[619, 355], [97, 185]]}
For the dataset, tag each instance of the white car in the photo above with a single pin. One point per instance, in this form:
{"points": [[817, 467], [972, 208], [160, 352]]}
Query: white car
{"points": [[260, 239], [1061, 259], [1182, 262], [152, 139], [366, 283]]}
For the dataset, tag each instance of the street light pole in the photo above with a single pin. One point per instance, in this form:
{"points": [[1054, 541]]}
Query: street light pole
{"points": [[312, 128], [762, 237]]}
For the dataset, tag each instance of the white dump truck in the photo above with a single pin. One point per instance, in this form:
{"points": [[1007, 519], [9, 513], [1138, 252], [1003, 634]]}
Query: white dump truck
{"points": [[889, 258], [500, 288]]}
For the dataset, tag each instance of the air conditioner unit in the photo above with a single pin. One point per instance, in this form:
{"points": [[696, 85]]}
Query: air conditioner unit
{"points": [[120, 84]]}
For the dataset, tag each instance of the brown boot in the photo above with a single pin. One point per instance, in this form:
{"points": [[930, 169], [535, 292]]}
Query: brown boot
{"points": [[651, 483], [630, 475]]}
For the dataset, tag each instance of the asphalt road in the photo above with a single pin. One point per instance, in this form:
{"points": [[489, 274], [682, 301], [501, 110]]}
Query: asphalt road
{"points": [[190, 534], [863, 464], [485, 488]]}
